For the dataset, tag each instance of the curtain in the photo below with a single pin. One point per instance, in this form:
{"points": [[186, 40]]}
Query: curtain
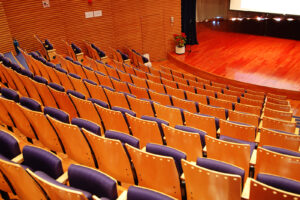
{"points": [[188, 20]]}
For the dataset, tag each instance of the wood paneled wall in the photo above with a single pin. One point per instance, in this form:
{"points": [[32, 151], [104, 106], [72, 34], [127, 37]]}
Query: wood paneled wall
{"points": [[144, 25], [6, 43]]}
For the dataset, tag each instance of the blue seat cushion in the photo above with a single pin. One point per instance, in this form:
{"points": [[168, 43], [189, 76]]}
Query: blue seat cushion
{"points": [[57, 114], [76, 94], [30, 104], [9, 146], [40, 79], [279, 182], [98, 102], [57, 87], [10, 94]]}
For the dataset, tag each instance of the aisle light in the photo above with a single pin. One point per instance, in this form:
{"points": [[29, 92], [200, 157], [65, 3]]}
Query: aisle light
{"points": [[277, 19]]}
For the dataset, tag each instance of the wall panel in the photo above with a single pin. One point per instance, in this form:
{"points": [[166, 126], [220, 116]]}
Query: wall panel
{"points": [[125, 23], [6, 43]]}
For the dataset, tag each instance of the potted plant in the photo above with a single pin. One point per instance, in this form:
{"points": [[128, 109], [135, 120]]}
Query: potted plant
{"points": [[180, 41]]}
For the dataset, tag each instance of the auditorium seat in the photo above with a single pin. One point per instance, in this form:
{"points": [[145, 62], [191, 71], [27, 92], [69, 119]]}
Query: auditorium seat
{"points": [[220, 85], [276, 96], [140, 74], [278, 114], [280, 125], [62, 99], [221, 103], [259, 191], [218, 112], [154, 78], [111, 157], [185, 141], [170, 114], [139, 92], [195, 83], [213, 88], [116, 98], [191, 106], [124, 77], [256, 110], [207, 123], [161, 98], [128, 69], [254, 97], [229, 131], [157, 87], [85, 108], [85, 183], [104, 80], [95, 91], [78, 84], [273, 163], [90, 74], [251, 102], [141, 106], [30, 88], [227, 97], [205, 92], [278, 139], [64, 79], [180, 80], [156, 172], [196, 97], [219, 181], [254, 92], [17, 82], [111, 71], [229, 152], [169, 83], [154, 71], [278, 101], [146, 131], [139, 82], [242, 117], [175, 92], [42, 128], [120, 86], [14, 110], [71, 137], [112, 120], [233, 93], [166, 76]]}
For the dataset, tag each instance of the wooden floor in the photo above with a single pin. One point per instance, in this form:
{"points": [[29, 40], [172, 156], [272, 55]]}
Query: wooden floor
{"points": [[265, 61]]}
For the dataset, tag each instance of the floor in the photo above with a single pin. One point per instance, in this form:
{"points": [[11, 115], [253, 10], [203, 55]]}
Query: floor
{"points": [[253, 59]]}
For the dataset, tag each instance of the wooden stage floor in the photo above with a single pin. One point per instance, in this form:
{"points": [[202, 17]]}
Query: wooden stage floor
{"points": [[259, 60]]}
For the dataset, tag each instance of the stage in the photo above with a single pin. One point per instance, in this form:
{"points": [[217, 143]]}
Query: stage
{"points": [[254, 60]]}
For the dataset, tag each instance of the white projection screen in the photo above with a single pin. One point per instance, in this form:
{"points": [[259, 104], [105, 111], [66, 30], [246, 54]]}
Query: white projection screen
{"points": [[290, 7]]}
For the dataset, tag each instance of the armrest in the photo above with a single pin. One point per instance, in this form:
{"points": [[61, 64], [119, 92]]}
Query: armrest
{"points": [[144, 149], [297, 131], [51, 50], [123, 196], [218, 131], [79, 54], [18, 159], [96, 198], [257, 138], [182, 177], [260, 124], [253, 158], [63, 178], [204, 149], [246, 190]]}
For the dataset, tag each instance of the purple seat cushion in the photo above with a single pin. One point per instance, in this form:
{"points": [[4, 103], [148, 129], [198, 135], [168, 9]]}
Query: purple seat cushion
{"points": [[123, 111], [76, 94], [128, 94], [74, 76], [108, 88], [40, 79], [57, 114], [98, 102], [138, 193], [61, 70], [75, 48], [89, 81], [107, 65], [10, 94], [193, 130], [15, 66], [30, 104], [114, 78], [41, 160], [88, 68], [220, 167], [92, 181], [90, 126], [50, 64], [124, 138], [167, 151], [26, 72], [158, 121], [77, 63], [279, 182], [101, 53], [53, 181], [234, 140], [9, 146], [69, 58], [282, 151], [57, 87], [6, 62]]}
